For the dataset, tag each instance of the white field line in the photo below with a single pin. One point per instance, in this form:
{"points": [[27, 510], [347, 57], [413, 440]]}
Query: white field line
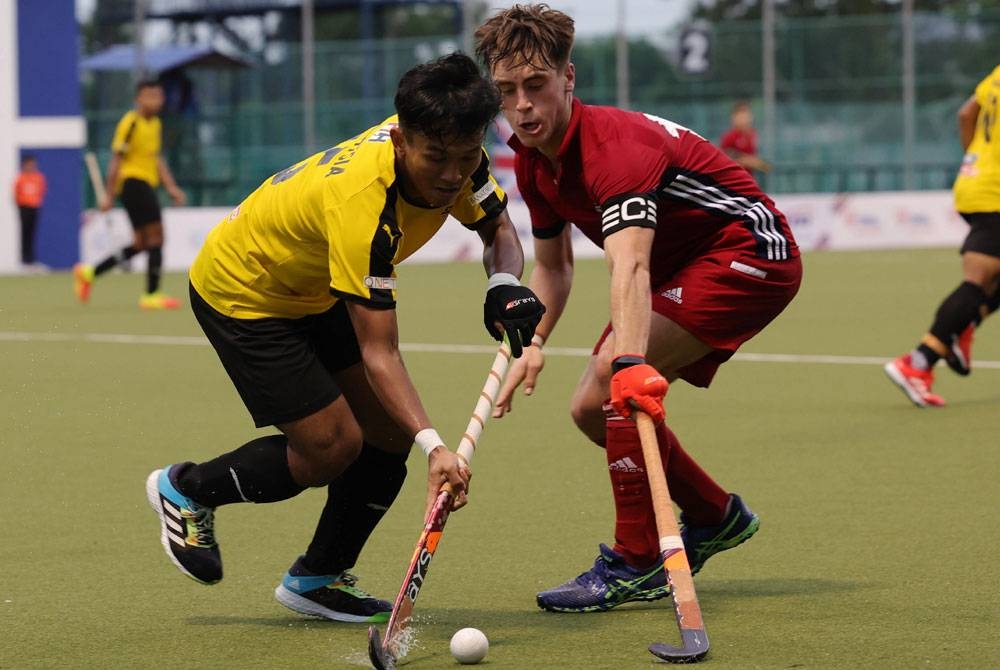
{"points": [[582, 352]]}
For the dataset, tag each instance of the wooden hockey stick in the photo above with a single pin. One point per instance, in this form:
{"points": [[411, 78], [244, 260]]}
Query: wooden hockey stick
{"points": [[384, 652], [694, 640]]}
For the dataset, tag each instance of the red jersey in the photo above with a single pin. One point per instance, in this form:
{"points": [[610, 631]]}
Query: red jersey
{"points": [[29, 189], [620, 168], [739, 141]]}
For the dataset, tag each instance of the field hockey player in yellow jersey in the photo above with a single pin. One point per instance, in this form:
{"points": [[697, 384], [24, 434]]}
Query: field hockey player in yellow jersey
{"points": [[296, 290], [135, 171], [977, 199]]}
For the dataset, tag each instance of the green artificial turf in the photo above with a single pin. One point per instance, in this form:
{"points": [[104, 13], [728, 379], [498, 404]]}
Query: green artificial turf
{"points": [[877, 547]]}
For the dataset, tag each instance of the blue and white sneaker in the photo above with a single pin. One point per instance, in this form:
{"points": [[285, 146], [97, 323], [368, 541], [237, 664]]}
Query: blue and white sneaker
{"points": [[611, 582], [333, 597], [186, 528], [702, 542]]}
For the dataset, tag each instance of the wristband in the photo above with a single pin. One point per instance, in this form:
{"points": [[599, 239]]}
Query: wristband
{"points": [[502, 279], [626, 361], [537, 341], [428, 440]]}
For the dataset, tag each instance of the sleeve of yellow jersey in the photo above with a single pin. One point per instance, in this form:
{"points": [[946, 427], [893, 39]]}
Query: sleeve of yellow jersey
{"points": [[982, 93], [364, 238], [482, 199], [123, 133]]}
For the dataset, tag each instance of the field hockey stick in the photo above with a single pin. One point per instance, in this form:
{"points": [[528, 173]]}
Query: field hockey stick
{"points": [[94, 170], [383, 653], [694, 640]]}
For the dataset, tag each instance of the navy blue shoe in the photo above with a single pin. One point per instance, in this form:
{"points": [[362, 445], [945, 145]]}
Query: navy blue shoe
{"points": [[187, 530], [703, 542], [333, 597], [608, 584]]}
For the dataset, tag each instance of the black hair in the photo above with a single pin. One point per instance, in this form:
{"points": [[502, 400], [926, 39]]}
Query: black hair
{"points": [[28, 157], [147, 83], [446, 99]]}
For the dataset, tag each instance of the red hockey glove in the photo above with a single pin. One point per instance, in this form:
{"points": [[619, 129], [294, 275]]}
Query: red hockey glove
{"points": [[634, 384]]}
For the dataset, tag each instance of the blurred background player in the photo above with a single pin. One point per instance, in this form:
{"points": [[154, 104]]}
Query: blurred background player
{"points": [[977, 199], [135, 170], [700, 261], [296, 290], [29, 195], [740, 141]]}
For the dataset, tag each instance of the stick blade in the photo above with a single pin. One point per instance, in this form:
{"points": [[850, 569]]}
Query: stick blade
{"points": [[693, 648], [379, 655]]}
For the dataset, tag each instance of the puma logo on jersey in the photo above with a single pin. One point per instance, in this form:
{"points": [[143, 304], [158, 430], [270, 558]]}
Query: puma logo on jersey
{"points": [[393, 235]]}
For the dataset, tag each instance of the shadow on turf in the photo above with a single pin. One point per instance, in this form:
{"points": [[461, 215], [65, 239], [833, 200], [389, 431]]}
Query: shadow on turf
{"points": [[768, 588], [716, 590]]}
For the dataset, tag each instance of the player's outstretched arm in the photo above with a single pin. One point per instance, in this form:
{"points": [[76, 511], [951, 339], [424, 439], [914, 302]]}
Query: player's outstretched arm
{"points": [[378, 338], [551, 280]]}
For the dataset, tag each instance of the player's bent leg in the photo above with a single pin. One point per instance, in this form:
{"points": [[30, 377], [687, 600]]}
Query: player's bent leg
{"points": [[187, 529], [356, 502], [151, 239], [703, 542], [322, 445]]}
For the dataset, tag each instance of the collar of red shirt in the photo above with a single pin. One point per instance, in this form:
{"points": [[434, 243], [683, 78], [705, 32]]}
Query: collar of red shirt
{"points": [[571, 133]]}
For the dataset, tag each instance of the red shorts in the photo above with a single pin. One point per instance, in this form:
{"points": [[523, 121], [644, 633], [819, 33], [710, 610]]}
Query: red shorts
{"points": [[723, 298]]}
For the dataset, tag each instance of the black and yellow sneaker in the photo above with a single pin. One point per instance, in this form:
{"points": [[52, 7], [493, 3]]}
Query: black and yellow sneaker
{"points": [[611, 582], [187, 529], [333, 597]]}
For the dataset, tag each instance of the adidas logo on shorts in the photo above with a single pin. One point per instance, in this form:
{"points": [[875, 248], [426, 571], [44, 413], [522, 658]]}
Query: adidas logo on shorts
{"points": [[674, 294]]}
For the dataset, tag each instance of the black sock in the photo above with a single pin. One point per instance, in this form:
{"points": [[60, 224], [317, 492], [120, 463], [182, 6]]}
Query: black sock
{"points": [[956, 312], [256, 472], [356, 501], [991, 305], [114, 259], [153, 269]]}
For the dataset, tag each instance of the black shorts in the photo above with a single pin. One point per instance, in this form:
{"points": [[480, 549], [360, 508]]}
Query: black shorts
{"points": [[282, 368], [984, 233], [141, 203]]}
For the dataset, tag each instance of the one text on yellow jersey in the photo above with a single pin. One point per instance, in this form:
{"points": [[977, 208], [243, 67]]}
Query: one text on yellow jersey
{"points": [[332, 226]]}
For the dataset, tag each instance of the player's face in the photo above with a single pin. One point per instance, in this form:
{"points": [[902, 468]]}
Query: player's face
{"points": [[743, 118], [150, 100], [537, 102], [433, 170]]}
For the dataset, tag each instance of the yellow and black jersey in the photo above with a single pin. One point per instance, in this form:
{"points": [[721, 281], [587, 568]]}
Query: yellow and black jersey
{"points": [[329, 227], [977, 188], [137, 141]]}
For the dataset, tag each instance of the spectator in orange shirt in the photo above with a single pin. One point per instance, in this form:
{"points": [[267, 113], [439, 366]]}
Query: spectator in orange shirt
{"points": [[740, 141], [29, 193]]}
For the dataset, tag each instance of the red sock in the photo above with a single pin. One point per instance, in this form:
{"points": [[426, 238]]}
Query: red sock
{"points": [[635, 526], [703, 501]]}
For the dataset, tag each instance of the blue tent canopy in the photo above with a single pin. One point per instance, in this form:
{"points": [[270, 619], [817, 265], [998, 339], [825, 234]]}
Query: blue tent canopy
{"points": [[160, 59]]}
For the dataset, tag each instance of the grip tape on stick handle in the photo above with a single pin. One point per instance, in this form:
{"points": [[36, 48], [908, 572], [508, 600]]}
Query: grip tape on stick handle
{"points": [[484, 405]]}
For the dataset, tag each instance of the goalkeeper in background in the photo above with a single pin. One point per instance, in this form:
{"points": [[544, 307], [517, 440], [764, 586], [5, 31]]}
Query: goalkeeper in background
{"points": [[296, 290], [135, 171], [977, 199]]}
